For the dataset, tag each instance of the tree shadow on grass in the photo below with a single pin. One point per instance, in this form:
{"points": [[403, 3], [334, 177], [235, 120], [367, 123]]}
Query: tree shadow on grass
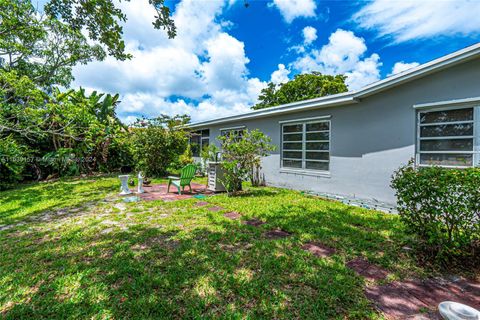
{"points": [[37, 198], [146, 272], [353, 231]]}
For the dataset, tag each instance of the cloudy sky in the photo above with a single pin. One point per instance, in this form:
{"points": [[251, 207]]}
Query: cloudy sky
{"points": [[225, 53]]}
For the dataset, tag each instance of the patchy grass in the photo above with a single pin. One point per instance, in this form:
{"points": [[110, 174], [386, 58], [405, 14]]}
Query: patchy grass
{"points": [[31, 199], [71, 254]]}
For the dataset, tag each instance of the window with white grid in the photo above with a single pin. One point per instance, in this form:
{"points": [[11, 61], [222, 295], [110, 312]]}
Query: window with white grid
{"points": [[306, 145]]}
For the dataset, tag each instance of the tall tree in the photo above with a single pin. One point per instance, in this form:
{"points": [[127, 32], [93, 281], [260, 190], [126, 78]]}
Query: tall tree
{"points": [[102, 18], [302, 87], [46, 45]]}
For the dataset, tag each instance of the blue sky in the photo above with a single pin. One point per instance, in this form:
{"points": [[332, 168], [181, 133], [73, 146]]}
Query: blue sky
{"points": [[225, 53]]}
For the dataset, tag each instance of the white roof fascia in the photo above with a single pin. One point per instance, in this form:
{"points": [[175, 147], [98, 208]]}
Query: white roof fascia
{"points": [[420, 71], [324, 102], [354, 96], [446, 103]]}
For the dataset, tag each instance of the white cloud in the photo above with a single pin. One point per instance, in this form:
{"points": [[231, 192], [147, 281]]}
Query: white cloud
{"points": [[343, 54], [152, 106], [309, 35], [202, 72], [364, 72], [292, 9], [226, 68], [413, 19], [402, 66], [280, 75]]}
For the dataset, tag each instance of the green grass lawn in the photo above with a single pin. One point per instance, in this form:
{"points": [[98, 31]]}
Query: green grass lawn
{"points": [[70, 254]]}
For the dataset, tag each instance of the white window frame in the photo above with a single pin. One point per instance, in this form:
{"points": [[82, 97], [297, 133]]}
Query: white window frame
{"points": [[304, 123], [444, 106]]}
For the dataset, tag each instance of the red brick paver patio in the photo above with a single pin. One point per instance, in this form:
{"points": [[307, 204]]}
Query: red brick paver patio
{"points": [[159, 192], [407, 299], [369, 271]]}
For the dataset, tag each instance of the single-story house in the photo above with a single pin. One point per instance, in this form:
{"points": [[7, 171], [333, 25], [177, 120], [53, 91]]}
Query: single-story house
{"points": [[350, 144]]}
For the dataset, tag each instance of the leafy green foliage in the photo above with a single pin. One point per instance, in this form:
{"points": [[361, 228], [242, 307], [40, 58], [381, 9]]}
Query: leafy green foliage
{"points": [[66, 132], [302, 87], [21, 106], [45, 50], [442, 208], [241, 157], [45, 45], [12, 162], [186, 157], [208, 154], [102, 19], [158, 143]]}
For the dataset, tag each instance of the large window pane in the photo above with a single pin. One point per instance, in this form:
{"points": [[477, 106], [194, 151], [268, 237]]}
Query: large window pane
{"points": [[292, 164], [293, 137], [317, 145], [442, 144], [317, 136], [441, 159], [293, 128], [447, 145], [292, 154], [447, 130], [317, 156], [306, 145], [318, 126], [316, 165], [292, 146], [447, 116]]}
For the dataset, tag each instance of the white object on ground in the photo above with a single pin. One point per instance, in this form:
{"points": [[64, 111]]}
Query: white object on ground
{"points": [[457, 311], [140, 183], [124, 187]]}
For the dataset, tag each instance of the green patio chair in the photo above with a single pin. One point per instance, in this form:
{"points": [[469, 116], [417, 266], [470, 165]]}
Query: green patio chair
{"points": [[186, 175]]}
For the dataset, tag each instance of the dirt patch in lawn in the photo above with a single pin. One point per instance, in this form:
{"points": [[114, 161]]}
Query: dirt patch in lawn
{"points": [[319, 249], [254, 222], [215, 209], [232, 215], [201, 204], [277, 234]]}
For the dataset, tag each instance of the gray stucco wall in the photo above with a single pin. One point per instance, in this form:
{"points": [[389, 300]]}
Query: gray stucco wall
{"points": [[369, 139]]}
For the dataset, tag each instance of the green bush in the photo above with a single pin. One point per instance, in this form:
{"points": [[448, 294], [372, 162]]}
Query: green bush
{"points": [[208, 154], [157, 144], [186, 157], [62, 162], [442, 208], [12, 162], [241, 157]]}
